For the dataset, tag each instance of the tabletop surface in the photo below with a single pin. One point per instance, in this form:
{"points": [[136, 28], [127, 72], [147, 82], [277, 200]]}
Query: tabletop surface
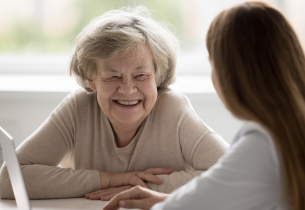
{"points": [[58, 204]]}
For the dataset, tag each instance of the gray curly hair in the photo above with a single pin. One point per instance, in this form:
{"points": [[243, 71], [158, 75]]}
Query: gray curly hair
{"points": [[120, 30]]}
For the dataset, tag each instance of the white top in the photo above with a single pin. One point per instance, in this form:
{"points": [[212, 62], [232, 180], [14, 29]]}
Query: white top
{"points": [[248, 176]]}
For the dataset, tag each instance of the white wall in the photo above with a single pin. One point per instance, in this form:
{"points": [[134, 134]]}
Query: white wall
{"points": [[211, 110], [21, 113]]}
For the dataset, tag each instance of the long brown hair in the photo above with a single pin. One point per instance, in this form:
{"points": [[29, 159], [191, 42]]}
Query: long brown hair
{"points": [[260, 65]]}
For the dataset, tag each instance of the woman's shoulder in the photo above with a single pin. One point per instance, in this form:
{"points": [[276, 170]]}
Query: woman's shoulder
{"points": [[81, 94], [251, 128], [168, 92], [79, 98], [174, 106], [172, 98], [77, 101], [171, 104], [253, 136], [176, 103]]}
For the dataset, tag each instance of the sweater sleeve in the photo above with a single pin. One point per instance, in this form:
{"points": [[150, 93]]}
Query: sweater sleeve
{"points": [[42, 152], [203, 157], [201, 148]]}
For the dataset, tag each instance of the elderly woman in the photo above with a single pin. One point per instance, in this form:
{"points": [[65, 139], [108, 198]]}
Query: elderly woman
{"points": [[125, 127]]}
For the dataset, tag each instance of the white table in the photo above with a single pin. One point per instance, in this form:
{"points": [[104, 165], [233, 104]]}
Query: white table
{"points": [[57, 204]]}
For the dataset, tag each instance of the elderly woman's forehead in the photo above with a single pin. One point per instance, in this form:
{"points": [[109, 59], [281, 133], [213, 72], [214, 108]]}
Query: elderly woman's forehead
{"points": [[135, 57], [138, 52]]}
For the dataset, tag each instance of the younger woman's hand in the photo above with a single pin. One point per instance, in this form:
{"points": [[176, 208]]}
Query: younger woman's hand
{"points": [[137, 197], [110, 180]]}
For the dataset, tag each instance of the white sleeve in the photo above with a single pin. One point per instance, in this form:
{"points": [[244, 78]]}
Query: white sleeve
{"points": [[247, 177]]}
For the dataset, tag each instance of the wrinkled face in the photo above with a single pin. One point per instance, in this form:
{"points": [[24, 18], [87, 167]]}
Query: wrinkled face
{"points": [[126, 87]]}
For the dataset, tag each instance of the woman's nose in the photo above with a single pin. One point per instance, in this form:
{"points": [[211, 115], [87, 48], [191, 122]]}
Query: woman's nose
{"points": [[127, 86]]}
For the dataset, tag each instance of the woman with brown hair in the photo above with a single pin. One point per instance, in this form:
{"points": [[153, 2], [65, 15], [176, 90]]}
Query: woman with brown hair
{"points": [[258, 71]]}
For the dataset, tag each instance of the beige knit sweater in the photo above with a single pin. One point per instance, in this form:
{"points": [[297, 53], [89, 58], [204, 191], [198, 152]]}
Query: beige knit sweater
{"points": [[78, 136]]}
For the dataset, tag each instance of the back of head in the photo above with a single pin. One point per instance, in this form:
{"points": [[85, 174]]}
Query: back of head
{"points": [[261, 69], [116, 32]]}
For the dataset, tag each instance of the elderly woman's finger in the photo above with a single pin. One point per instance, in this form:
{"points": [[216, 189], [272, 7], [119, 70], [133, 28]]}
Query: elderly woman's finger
{"points": [[109, 197], [114, 192], [94, 197], [134, 193], [107, 194], [135, 180], [157, 171], [92, 193], [149, 177], [97, 194], [101, 193]]}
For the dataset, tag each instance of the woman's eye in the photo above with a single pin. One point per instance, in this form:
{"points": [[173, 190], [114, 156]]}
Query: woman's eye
{"points": [[111, 78], [115, 77], [141, 76]]}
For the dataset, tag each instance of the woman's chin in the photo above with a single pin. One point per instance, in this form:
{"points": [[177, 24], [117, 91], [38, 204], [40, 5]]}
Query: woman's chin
{"points": [[129, 120]]}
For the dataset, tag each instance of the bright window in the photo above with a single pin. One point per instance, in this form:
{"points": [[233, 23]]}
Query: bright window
{"points": [[36, 36]]}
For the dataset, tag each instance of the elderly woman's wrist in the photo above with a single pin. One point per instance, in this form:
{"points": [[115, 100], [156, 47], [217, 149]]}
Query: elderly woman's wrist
{"points": [[105, 179]]}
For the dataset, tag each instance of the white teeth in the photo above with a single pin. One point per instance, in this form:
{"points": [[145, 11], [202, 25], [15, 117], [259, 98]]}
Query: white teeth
{"points": [[128, 103]]}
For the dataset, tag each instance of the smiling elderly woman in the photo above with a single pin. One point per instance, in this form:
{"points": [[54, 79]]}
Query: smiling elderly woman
{"points": [[125, 127]]}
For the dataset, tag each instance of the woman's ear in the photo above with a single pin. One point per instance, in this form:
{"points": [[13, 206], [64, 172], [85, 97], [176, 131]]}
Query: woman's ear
{"points": [[92, 84]]}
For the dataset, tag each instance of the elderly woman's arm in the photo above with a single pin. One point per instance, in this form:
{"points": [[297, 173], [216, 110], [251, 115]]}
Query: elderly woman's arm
{"points": [[200, 155], [205, 154], [54, 143], [39, 157], [176, 138]]}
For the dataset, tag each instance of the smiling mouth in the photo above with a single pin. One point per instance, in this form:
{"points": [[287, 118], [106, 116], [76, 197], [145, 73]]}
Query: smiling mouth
{"points": [[127, 103]]}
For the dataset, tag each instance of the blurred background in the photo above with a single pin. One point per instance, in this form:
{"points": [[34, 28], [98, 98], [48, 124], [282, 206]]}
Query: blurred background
{"points": [[46, 26], [32, 28], [37, 36]]}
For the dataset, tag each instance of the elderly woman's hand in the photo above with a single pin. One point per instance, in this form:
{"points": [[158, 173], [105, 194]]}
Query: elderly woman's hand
{"points": [[109, 180], [137, 197], [114, 183], [107, 194]]}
